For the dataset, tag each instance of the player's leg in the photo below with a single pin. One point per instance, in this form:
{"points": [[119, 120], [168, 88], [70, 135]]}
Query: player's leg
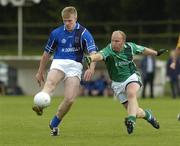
{"points": [[143, 114], [53, 78], [131, 91], [71, 89], [133, 107], [151, 119]]}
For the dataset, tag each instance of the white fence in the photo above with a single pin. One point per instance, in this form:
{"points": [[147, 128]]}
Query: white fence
{"points": [[27, 67]]}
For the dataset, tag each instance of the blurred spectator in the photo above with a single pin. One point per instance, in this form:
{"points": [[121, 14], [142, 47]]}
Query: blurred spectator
{"points": [[108, 92], [98, 87], [14, 90], [173, 75], [148, 64], [2, 88], [87, 87]]}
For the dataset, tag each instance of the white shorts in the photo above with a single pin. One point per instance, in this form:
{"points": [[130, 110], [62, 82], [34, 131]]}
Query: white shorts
{"points": [[119, 88], [70, 68]]}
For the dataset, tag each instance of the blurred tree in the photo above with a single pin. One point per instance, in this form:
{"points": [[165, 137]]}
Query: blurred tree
{"points": [[143, 10], [93, 10], [172, 9], [8, 14]]}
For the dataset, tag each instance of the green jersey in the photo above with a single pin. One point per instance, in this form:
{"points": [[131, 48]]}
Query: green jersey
{"points": [[120, 65]]}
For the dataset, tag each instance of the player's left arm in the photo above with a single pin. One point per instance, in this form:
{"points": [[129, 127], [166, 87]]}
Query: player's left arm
{"points": [[152, 52], [145, 50], [92, 49]]}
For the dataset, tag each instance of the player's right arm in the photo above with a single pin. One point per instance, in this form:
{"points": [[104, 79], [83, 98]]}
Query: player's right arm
{"points": [[48, 50], [41, 71], [177, 54]]}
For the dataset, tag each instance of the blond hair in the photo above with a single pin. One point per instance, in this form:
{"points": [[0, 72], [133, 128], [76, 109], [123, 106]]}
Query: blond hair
{"points": [[121, 33], [67, 11]]}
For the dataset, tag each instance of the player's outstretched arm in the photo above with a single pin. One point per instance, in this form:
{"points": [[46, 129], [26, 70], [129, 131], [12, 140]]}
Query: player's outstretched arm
{"points": [[93, 58], [148, 51], [161, 51]]}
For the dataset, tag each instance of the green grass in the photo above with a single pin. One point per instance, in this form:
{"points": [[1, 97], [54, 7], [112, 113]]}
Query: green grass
{"points": [[91, 122]]}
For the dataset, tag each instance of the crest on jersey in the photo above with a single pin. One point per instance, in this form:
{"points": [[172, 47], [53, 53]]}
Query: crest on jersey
{"points": [[63, 41], [76, 39]]}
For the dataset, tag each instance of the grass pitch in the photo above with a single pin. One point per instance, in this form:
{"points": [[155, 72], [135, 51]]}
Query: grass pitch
{"points": [[91, 122]]}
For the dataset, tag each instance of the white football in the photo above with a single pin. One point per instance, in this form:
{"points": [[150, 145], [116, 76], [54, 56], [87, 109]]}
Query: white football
{"points": [[42, 99]]}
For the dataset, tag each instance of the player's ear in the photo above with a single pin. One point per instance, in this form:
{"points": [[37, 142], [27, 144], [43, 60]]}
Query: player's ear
{"points": [[76, 18]]}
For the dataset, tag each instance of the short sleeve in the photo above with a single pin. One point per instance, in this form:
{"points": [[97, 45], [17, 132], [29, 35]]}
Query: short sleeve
{"points": [[105, 52], [137, 49], [51, 43], [89, 41]]}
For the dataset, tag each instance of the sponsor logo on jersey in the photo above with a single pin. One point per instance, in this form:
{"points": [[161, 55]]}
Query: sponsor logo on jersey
{"points": [[120, 63], [71, 49], [63, 41]]}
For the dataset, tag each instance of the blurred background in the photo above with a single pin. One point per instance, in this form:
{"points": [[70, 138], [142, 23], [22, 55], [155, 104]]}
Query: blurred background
{"points": [[25, 26]]}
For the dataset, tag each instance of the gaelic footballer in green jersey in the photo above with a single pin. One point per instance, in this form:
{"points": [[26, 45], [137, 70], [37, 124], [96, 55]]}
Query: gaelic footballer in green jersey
{"points": [[126, 82]]}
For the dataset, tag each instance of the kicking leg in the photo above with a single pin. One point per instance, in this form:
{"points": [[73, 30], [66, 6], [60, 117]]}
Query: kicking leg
{"points": [[53, 78]]}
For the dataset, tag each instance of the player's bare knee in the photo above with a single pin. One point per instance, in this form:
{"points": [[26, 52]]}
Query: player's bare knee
{"points": [[51, 85], [131, 95]]}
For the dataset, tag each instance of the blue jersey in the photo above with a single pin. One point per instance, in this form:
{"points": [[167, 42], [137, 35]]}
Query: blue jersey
{"points": [[66, 45]]}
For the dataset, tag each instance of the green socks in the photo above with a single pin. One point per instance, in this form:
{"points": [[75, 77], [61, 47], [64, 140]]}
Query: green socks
{"points": [[147, 115], [132, 118]]}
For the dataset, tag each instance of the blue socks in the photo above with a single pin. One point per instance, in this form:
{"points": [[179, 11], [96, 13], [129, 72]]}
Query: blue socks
{"points": [[55, 121]]}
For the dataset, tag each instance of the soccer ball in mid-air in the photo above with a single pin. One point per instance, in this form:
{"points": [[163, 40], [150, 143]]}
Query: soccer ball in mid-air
{"points": [[42, 100]]}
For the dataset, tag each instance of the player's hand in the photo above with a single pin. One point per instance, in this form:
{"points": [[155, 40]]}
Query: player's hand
{"points": [[88, 74], [173, 65], [39, 78], [88, 60], [161, 51]]}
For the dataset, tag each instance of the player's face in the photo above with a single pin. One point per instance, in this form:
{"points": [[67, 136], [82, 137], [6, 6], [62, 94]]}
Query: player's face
{"points": [[117, 41], [70, 22]]}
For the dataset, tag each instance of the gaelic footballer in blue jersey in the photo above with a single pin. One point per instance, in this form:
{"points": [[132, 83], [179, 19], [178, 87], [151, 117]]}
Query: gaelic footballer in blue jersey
{"points": [[67, 43]]}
